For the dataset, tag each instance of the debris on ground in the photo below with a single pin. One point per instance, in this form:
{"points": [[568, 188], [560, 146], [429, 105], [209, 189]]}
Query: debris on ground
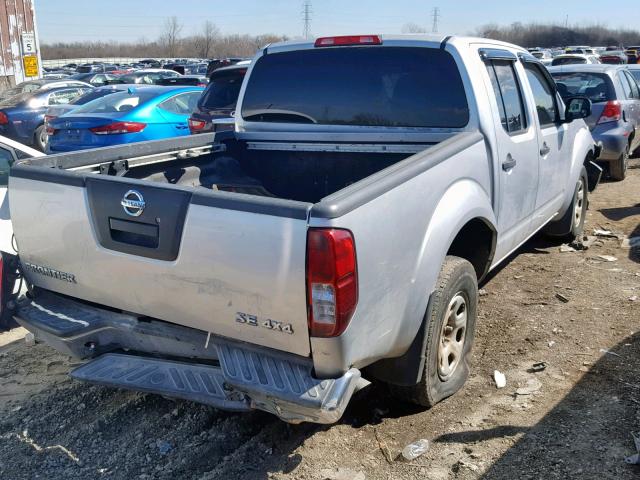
{"points": [[609, 352], [415, 449], [500, 379], [341, 474], [164, 447], [562, 298], [386, 452], [598, 232], [566, 248], [459, 465], [532, 386], [633, 298], [30, 339], [607, 258], [635, 459], [551, 343], [538, 367], [631, 242], [482, 292]]}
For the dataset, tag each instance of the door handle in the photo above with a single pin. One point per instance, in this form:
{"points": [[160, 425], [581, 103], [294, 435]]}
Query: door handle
{"points": [[545, 150], [509, 163]]}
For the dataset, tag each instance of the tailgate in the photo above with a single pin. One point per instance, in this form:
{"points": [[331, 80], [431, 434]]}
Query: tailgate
{"points": [[229, 264]]}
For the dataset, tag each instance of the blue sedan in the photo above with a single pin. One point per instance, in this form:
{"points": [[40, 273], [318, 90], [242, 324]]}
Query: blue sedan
{"points": [[138, 114], [22, 116]]}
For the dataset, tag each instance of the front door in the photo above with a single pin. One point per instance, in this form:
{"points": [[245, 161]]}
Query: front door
{"points": [[555, 158]]}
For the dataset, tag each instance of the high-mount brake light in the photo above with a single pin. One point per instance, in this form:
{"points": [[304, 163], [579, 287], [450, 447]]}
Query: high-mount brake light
{"points": [[348, 40]]}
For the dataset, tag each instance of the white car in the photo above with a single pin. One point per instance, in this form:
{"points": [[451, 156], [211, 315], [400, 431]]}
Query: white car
{"points": [[10, 151], [575, 59]]}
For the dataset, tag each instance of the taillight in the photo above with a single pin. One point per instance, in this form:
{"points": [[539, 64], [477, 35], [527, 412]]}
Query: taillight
{"points": [[3, 118], [612, 112], [48, 118], [196, 125], [348, 40], [118, 128], [332, 281], [50, 130]]}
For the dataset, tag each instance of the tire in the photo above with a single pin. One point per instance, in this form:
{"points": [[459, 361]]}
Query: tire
{"points": [[571, 226], [6, 316], [40, 138], [618, 168], [450, 332]]}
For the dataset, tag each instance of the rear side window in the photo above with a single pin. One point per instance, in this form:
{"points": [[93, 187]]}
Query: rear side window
{"points": [[597, 87], [366, 86], [183, 104], [223, 90], [568, 61], [508, 95]]}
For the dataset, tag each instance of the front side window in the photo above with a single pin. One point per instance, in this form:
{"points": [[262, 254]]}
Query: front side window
{"points": [[543, 95], [508, 95], [363, 86]]}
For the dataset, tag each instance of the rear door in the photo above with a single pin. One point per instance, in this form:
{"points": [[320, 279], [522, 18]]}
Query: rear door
{"points": [[228, 264], [517, 147], [554, 150], [177, 109]]}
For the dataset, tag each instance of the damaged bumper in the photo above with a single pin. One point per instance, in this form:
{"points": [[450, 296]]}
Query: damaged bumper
{"points": [[159, 357]]}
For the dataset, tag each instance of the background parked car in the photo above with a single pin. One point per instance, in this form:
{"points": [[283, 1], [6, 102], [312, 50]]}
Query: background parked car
{"points": [[634, 70], [95, 79], [615, 115], [55, 111], [138, 114], [574, 59], [148, 76], [22, 117], [194, 80], [219, 100], [33, 85], [614, 58]]}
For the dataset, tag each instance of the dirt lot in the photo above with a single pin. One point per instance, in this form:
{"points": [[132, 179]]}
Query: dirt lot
{"points": [[576, 424]]}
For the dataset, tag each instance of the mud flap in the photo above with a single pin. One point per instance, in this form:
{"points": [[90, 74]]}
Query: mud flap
{"points": [[594, 174]]}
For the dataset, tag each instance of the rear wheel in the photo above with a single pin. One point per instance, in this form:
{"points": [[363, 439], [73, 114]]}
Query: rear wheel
{"points": [[450, 332], [618, 168], [40, 138]]}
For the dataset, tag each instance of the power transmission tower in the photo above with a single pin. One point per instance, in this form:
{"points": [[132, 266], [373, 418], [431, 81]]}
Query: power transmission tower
{"points": [[306, 18], [436, 16]]}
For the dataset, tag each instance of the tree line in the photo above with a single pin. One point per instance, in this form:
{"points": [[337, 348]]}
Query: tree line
{"points": [[171, 43], [547, 35]]}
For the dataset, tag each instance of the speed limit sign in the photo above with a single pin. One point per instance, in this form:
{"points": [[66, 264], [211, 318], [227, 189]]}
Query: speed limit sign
{"points": [[28, 44]]}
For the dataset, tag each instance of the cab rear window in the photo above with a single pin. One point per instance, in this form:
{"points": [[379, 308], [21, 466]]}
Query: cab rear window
{"points": [[365, 86]]}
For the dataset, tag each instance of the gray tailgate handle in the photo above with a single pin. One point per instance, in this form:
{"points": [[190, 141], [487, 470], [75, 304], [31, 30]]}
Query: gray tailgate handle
{"points": [[509, 163]]}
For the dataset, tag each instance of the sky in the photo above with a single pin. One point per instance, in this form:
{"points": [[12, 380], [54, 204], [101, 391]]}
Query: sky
{"points": [[130, 20]]}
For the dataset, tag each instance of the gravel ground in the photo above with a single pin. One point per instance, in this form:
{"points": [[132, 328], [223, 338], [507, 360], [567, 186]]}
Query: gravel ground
{"points": [[577, 422]]}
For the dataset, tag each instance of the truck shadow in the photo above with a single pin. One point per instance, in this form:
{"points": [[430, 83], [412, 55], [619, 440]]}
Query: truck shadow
{"points": [[587, 434]]}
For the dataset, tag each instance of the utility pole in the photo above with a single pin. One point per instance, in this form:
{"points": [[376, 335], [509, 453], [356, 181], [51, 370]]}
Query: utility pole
{"points": [[306, 18], [435, 15]]}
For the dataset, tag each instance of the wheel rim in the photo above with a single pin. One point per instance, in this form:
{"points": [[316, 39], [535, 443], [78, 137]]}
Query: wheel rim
{"points": [[452, 336], [579, 204], [43, 138]]}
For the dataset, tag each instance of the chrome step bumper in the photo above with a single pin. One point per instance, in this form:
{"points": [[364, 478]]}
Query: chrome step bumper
{"points": [[223, 373]]}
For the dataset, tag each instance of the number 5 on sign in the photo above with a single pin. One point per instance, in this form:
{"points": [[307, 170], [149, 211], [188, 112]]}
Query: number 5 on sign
{"points": [[30, 66]]}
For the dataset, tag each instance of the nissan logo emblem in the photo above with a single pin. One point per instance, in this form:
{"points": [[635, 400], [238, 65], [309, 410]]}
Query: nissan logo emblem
{"points": [[133, 203]]}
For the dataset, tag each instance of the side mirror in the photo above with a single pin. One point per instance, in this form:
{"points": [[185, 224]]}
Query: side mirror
{"points": [[577, 107]]}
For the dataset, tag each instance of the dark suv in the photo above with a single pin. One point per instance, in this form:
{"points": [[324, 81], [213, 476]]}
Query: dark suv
{"points": [[217, 105]]}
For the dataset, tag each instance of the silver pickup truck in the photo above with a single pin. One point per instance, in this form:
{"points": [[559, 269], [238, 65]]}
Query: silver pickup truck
{"points": [[336, 237]]}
